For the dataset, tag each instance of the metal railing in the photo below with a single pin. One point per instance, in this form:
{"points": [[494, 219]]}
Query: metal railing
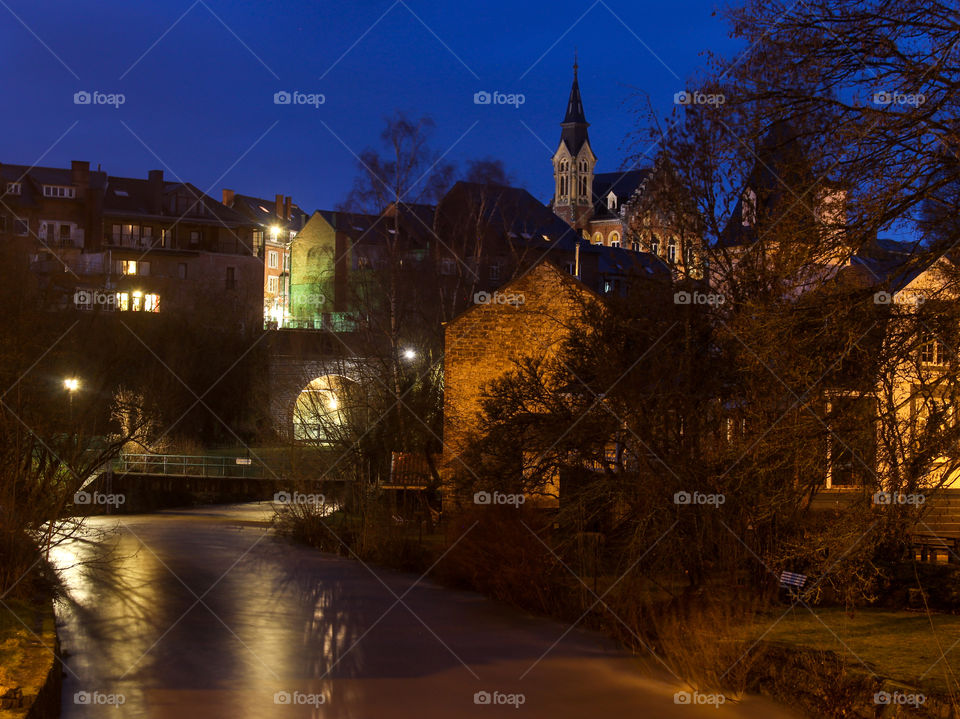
{"points": [[184, 465]]}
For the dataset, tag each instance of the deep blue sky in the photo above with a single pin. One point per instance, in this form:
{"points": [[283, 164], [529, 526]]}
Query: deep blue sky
{"points": [[203, 95]]}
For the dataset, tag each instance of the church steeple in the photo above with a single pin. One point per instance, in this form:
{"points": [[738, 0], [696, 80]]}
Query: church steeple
{"points": [[573, 162], [574, 124]]}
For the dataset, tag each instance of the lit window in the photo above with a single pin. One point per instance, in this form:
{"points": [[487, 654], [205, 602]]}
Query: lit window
{"points": [[597, 238], [672, 250], [654, 244], [59, 191], [614, 239], [128, 267], [273, 284], [123, 301], [273, 259], [137, 301], [151, 303]]}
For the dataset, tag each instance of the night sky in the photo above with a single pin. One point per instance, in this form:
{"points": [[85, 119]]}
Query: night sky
{"points": [[199, 79]]}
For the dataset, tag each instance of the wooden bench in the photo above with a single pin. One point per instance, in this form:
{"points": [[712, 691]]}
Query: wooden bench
{"points": [[929, 546]]}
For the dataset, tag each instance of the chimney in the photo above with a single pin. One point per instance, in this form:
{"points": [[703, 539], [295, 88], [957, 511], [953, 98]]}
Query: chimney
{"points": [[228, 197], [286, 209], [155, 187], [80, 174], [278, 206]]}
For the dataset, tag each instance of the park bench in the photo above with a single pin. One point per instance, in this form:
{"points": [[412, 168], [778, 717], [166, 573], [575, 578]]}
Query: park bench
{"points": [[929, 546]]}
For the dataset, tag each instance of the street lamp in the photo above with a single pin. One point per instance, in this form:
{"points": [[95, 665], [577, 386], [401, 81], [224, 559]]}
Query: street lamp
{"points": [[409, 355], [71, 384]]}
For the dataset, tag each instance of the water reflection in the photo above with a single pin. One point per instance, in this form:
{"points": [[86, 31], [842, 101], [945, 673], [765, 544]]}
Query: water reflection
{"points": [[205, 614]]}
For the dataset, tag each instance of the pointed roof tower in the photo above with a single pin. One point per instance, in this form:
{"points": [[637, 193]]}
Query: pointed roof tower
{"points": [[574, 124]]}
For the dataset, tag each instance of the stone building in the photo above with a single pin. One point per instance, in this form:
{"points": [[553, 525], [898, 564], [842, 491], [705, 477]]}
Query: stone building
{"points": [[484, 342]]}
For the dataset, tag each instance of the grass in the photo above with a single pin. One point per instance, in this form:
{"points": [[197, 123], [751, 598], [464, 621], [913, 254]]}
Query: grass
{"points": [[903, 646], [25, 660]]}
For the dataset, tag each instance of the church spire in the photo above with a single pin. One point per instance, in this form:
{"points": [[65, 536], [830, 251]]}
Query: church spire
{"points": [[574, 133]]}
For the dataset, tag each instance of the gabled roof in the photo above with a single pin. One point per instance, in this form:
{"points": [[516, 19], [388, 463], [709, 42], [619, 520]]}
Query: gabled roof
{"points": [[264, 212], [511, 209], [32, 180], [133, 196], [622, 184]]}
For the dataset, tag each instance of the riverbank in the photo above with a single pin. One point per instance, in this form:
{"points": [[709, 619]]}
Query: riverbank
{"points": [[29, 668]]}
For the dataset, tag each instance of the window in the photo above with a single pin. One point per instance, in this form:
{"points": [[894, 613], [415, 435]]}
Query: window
{"points": [[611, 201], [128, 267], [634, 245], [597, 238], [257, 239], [564, 179], [123, 301], [126, 235], [137, 303], [447, 266], [66, 233], [273, 259], [687, 256], [42, 232], [655, 244], [614, 239], [273, 284], [164, 236], [932, 352], [182, 270], [194, 237], [21, 227], [151, 303], [672, 250], [13, 188], [144, 269], [286, 261], [146, 234], [231, 278], [64, 191], [493, 272]]}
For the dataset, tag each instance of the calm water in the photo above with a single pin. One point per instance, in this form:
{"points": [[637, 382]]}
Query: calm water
{"points": [[203, 613]]}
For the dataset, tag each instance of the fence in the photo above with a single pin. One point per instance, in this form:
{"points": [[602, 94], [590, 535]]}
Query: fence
{"points": [[184, 465]]}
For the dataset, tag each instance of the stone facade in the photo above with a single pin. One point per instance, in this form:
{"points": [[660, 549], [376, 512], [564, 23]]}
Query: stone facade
{"points": [[482, 344]]}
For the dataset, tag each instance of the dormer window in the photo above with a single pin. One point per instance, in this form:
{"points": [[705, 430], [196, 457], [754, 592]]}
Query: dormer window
{"points": [[13, 188], [611, 201], [64, 191]]}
